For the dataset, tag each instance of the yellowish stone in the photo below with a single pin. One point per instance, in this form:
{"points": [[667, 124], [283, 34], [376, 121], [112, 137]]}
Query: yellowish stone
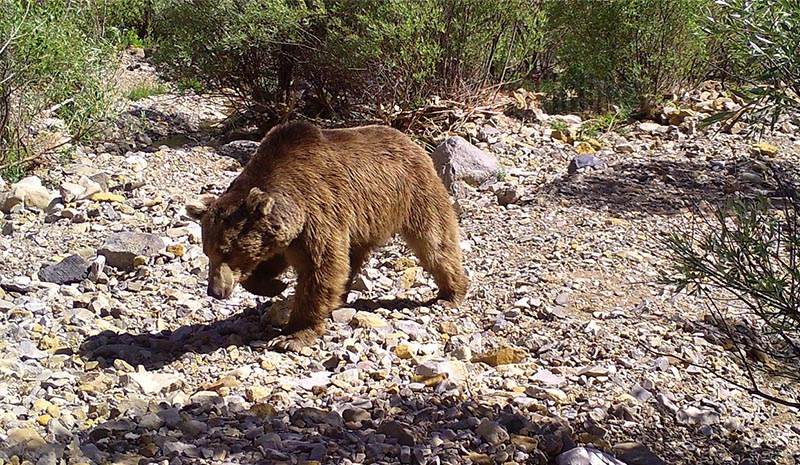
{"points": [[503, 356], [405, 351], [766, 149], [177, 249], [584, 148], [404, 262], [263, 410], [409, 277], [107, 197]]}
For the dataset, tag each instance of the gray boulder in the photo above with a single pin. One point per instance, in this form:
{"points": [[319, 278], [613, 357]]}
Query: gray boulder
{"points": [[582, 162], [240, 150], [458, 160]]}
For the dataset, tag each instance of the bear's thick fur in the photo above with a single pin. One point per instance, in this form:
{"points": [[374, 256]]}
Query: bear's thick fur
{"points": [[320, 201]]}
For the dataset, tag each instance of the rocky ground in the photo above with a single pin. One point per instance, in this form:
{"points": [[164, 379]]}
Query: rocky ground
{"points": [[566, 338]]}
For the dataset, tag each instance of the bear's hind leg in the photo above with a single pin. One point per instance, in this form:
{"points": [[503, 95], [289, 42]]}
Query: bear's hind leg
{"points": [[436, 246], [358, 255]]}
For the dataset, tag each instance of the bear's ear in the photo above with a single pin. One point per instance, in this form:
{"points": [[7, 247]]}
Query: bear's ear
{"points": [[197, 208], [287, 220], [259, 202]]}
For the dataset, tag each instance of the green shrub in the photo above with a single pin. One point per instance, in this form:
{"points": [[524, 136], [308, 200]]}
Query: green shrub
{"points": [[236, 47], [344, 53], [49, 66], [123, 22], [603, 123], [628, 52], [143, 91], [748, 250], [761, 42]]}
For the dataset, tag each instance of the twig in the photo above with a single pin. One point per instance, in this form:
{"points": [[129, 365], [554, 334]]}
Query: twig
{"points": [[754, 390]]}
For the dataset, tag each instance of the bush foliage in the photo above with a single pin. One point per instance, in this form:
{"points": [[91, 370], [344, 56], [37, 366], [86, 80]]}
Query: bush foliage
{"points": [[50, 65], [346, 52], [346, 58], [629, 52], [749, 250], [762, 53]]}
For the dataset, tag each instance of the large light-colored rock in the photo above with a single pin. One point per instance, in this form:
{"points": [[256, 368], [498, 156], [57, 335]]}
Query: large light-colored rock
{"points": [[28, 192], [458, 160]]}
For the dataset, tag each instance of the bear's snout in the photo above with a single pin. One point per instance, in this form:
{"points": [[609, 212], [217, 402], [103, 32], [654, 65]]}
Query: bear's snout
{"points": [[221, 281], [219, 292]]}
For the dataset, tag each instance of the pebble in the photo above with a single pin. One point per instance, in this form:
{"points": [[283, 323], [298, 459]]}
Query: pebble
{"points": [[491, 432]]}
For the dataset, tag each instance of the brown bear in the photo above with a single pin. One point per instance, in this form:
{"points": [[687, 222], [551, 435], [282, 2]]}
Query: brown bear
{"points": [[320, 201]]}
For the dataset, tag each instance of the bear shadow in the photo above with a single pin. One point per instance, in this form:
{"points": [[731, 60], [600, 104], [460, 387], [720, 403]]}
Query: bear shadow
{"points": [[247, 328]]}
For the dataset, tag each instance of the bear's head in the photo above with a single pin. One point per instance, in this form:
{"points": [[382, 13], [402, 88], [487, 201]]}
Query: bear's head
{"points": [[240, 230]]}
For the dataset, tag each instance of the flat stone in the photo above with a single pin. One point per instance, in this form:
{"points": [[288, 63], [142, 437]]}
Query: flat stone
{"points": [[72, 269], [28, 349], [594, 370], [240, 150], [153, 383], [364, 319], [502, 356], [491, 432], [695, 416], [121, 249], [509, 195], [547, 377], [317, 379], [582, 162], [399, 431], [343, 315], [432, 368], [25, 437], [634, 453], [653, 128], [107, 197]]}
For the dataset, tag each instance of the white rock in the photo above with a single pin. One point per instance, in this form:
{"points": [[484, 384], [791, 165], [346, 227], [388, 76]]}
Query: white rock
{"points": [[136, 163], [547, 377], [586, 456], [154, 383], [317, 379], [28, 192], [71, 191]]}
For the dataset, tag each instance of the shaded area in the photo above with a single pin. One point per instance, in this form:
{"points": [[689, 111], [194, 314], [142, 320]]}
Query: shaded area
{"points": [[154, 351], [417, 428], [664, 187], [437, 425]]}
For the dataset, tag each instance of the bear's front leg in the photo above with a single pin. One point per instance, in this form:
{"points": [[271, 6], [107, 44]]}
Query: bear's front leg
{"points": [[321, 281], [264, 279]]}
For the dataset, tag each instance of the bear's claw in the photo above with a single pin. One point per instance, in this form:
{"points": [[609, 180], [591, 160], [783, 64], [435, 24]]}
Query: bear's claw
{"points": [[293, 342]]}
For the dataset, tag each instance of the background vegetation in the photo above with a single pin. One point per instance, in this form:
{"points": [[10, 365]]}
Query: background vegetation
{"points": [[349, 59], [52, 63]]}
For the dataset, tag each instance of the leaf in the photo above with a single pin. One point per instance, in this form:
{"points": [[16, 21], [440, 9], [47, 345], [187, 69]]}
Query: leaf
{"points": [[717, 117]]}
